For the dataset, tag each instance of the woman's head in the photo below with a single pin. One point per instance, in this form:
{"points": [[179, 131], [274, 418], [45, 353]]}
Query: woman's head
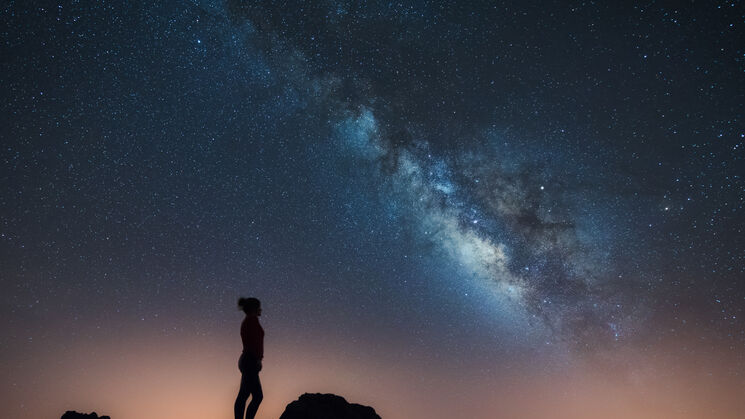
{"points": [[250, 305]]}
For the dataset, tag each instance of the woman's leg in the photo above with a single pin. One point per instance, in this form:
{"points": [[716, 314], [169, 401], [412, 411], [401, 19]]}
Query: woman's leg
{"points": [[257, 395], [243, 392]]}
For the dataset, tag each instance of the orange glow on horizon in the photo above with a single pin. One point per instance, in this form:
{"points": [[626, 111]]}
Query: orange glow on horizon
{"points": [[198, 378]]}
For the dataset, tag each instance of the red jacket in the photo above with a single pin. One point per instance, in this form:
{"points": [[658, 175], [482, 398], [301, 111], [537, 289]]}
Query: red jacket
{"points": [[252, 335]]}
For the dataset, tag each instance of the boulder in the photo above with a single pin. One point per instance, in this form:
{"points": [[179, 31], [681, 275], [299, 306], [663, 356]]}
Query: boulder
{"points": [[326, 406], [71, 414]]}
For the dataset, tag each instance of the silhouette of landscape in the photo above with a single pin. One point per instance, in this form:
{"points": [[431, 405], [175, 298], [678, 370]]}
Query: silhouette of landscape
{"points": [[71, 414], [328, 406], [307, 406]]}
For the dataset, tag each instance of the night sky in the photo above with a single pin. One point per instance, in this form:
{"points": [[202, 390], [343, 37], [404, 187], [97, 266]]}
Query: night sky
{"points": [[448, 209]]}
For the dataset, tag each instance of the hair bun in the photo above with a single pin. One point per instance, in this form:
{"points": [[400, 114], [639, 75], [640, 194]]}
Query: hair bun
{"points": [[249, 305]]}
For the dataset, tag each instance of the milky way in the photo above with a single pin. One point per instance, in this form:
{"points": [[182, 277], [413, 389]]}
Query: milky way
{"points": [[493, 225], [512, 225]]}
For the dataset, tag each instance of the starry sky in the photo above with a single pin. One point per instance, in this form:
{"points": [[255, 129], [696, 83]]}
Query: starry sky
{"points": [[525, 209]]}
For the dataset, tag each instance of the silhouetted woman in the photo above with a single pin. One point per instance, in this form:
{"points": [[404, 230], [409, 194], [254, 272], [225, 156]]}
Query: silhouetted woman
{"points": [[249, 363]]}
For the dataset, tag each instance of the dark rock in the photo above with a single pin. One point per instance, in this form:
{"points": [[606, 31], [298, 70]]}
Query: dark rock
{"points": [[326, 406], [71, 414]]}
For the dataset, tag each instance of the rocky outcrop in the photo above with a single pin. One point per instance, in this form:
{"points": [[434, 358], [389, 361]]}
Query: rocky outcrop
{"points": [[71, 414], [326, 406], [308, 406]]}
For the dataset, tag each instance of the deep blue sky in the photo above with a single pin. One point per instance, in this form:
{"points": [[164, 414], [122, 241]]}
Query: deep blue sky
{"points": [[468, 181]]}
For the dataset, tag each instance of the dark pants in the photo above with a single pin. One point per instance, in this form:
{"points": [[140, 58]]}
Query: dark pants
{"points": [[250, 386]]}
